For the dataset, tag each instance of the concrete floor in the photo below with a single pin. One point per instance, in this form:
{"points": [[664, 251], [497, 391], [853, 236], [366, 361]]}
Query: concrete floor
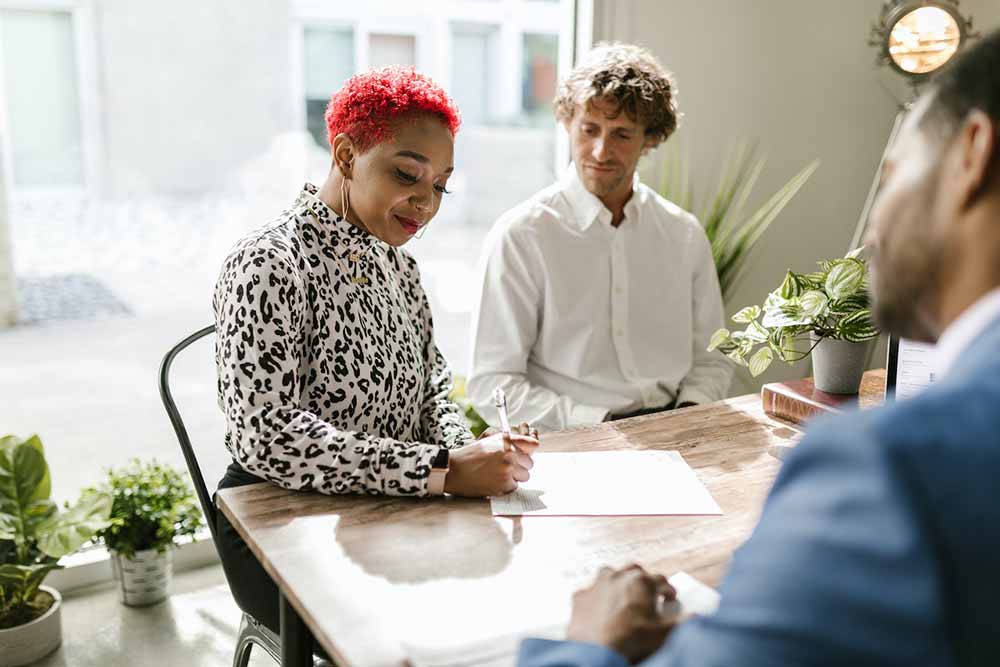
{"points": [[195, 627]]}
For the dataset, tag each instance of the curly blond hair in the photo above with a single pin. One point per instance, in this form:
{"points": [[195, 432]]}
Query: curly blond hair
{"points": [[630, 77]]}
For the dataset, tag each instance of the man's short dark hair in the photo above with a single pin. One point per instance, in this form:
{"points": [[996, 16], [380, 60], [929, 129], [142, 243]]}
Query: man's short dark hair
{"points": [[971, 81]]}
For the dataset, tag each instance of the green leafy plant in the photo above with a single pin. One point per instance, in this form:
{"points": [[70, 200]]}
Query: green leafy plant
{"points": [[153, 506], [34, 534], [731, 231], [476, 423], [830, 303]]}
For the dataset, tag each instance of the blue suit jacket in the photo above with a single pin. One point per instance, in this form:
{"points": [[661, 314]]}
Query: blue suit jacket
{"points": [[879, 544]]}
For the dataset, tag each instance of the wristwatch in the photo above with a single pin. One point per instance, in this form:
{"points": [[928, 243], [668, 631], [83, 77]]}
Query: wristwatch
{"points": [[439, 470]]}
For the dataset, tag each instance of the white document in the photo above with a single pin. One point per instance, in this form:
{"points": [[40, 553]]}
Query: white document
{"points": [[693, 597], [618, 483], [916, 368]]}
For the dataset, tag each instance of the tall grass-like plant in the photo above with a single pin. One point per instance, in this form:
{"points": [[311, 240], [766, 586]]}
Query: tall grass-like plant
{"points": [[732, 231]]}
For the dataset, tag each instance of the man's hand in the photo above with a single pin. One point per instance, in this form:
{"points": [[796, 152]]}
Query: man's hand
{"points": [[620, 610]]}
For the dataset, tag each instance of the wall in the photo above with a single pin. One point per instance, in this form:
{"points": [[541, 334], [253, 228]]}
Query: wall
{"points": [[799, 77], [190, 89]]}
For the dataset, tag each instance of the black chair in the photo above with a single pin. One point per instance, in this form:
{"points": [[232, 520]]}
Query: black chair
{"points": [[251, 631]]}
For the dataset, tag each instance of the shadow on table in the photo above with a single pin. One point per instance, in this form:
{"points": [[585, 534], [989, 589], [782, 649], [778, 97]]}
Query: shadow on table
{"points": [[406, 543]]}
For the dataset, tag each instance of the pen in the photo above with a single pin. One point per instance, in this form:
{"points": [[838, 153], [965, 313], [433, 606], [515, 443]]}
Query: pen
{"points": [[500, 401]]}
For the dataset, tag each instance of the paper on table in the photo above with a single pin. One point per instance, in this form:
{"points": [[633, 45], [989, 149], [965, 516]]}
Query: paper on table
{"points": [[693, 597], [618, 483]]}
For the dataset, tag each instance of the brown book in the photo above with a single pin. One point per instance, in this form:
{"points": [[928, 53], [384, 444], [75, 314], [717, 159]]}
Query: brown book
{"points": [[799, 400]]}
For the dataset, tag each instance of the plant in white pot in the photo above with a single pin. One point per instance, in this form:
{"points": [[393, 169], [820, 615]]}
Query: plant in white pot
{"points": [[34, 535], [153, 507], [827, 310]]}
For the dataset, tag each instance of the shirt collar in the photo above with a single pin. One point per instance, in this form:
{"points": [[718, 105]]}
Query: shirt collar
{"points": [[960, 335], [587, 207], [348, 241]]}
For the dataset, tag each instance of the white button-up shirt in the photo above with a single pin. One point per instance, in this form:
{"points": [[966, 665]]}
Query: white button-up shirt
{"points": [[960, 335], [578, 319]]}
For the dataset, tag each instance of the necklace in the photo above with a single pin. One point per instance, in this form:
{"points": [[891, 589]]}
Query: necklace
{"points": [[351, 275], [353, 278]]}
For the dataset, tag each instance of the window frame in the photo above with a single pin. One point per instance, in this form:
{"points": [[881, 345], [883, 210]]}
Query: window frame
{"points": [[81, 13], [431, 26]]}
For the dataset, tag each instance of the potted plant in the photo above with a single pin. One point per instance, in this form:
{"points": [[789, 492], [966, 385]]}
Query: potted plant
{"points": [[153, 506], [34, 535], [829, 308]]}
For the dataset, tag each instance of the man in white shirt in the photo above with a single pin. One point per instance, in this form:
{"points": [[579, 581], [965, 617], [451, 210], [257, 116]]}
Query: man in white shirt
{"points": [[598, 296]]}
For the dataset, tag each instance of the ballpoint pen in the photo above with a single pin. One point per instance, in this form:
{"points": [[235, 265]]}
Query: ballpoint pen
{"points": [[500, 401]]}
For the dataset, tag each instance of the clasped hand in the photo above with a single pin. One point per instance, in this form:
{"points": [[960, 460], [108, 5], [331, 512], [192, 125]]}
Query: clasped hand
{"points": [[622, 610]]}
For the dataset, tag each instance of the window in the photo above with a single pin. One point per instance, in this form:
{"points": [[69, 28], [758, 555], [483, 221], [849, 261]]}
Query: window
{"points": [[500, 63], [541, 56], [41, 98], [391, 50], [329, 62], [200, 127], [472, 71]]}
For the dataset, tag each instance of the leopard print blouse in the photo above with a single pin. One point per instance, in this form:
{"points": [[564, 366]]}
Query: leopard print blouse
{"points": [[328, 372]]}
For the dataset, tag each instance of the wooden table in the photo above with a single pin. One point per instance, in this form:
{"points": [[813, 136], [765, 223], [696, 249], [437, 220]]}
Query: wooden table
{"points": [[370, 576]]}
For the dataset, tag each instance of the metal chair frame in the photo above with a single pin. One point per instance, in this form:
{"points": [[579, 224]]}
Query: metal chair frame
{"points": [[251, 632]]}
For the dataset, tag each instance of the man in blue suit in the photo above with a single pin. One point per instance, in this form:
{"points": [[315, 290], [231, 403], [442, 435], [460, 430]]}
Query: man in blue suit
{"points": [[880, 542]]}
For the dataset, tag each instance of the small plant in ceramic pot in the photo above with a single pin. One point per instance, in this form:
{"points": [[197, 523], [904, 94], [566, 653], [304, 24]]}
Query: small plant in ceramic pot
{"points": [[153, 506], [34, 535], [825, 313]]}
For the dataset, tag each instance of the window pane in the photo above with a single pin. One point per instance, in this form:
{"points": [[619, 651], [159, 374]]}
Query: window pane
{"points": [[197, 150], [329, 62], [42, 99], [471, 73], [541, 57], [391, 50]]}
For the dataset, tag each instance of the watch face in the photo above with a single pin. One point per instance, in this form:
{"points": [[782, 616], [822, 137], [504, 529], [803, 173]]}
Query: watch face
{"points": [[441, 459]]}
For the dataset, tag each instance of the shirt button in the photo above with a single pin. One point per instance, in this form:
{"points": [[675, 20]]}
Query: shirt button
{"points": [[618, 290], [619, 332]]}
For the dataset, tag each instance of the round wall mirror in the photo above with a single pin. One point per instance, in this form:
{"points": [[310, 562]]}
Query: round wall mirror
{"points": [[917, 37], [923, 40]]}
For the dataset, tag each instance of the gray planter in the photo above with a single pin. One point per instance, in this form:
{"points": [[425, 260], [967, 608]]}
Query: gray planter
{"points": [[838, 365], [144, 578], [28, 643]]}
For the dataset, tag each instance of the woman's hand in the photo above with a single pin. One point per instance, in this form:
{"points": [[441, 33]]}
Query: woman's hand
{"points": [[524, 428], [483, 468]]}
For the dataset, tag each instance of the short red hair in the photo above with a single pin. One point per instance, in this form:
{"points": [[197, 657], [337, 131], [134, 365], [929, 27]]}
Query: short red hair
{"points": [[369, 105]]}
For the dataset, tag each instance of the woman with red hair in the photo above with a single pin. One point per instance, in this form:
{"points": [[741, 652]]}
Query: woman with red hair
{"points": [[328, 372]]}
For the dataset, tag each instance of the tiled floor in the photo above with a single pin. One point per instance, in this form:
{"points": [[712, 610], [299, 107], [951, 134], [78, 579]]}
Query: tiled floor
{"points": [[195, 627]]}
